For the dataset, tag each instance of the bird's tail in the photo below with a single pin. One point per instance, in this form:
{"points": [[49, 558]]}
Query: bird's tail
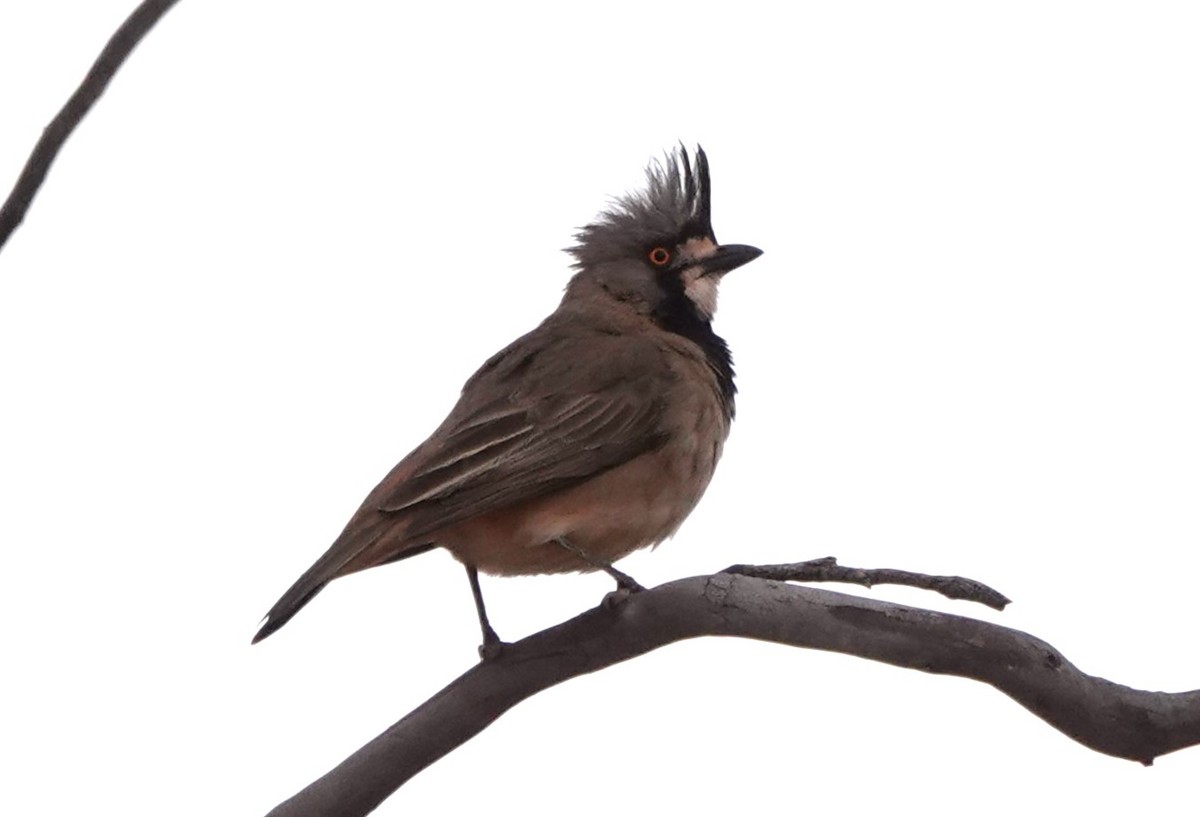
{"points": [[360, 546], [352, 542], [298, 595]]}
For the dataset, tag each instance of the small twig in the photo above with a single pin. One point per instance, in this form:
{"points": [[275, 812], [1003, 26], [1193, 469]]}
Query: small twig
{"points": [[122, 43], [828, 570]]}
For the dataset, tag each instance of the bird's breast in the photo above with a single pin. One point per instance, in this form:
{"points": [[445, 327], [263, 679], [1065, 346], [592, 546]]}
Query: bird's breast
{"points": [[633, 505]]}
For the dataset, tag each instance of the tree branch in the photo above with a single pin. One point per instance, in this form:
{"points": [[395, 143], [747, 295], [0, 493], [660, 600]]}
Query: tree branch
{"points": [[119, 46], [1100, 714], [828, 570]]}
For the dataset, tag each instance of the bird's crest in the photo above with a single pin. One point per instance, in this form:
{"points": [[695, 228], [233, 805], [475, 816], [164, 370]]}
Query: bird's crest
{"points": [[676, 204]]}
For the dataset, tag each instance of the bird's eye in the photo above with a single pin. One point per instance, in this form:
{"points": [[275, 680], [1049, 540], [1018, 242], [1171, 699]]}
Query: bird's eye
{"points": [[660, 256]]}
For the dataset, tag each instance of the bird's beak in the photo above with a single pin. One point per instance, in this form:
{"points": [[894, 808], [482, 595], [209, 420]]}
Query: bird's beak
{"points": [[729, 257]]}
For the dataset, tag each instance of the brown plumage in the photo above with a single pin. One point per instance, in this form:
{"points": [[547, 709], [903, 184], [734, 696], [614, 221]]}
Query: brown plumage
{"points": [[588, 438]]}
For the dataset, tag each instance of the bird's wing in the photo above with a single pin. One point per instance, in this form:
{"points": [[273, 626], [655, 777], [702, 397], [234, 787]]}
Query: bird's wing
{"points": [[540, 417], [514, 452]]}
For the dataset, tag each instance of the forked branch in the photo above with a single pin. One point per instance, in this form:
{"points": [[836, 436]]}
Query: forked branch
{"points": [[1100, 714]]}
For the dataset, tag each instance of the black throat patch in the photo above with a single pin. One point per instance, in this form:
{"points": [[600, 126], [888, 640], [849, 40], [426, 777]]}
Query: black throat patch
{"points": [[676, 313]]}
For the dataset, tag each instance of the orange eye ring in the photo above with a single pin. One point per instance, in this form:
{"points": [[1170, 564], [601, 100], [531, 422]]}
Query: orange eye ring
{"points": [[660, 256]]}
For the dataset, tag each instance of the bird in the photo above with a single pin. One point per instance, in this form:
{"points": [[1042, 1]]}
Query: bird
{"points": [[590, 437]]}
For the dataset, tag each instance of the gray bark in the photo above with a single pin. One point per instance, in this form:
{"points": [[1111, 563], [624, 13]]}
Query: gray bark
{"points": [[1102, 715]]}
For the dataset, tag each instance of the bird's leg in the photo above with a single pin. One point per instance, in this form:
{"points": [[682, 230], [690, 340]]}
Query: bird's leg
{"points": [[624, 580], [491, 642]]}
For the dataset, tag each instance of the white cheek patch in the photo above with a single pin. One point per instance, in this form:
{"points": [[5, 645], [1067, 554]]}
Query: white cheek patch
{"points": [[697, 249], [701, 290]]}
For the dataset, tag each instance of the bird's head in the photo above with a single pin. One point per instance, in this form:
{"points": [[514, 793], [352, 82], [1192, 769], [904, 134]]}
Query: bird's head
{"points": [[655, 249]]}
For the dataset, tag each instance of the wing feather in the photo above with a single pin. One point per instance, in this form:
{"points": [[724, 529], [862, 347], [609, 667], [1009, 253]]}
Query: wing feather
{"points": [[552, 428], [559, 443]]}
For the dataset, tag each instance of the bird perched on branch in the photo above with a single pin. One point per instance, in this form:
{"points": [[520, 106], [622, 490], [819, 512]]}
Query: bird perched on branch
{"points": [[590, 437]]}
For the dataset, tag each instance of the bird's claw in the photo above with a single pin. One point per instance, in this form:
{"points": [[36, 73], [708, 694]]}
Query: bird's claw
{"points": [[491, 648], [624, 581], [615, 598]]}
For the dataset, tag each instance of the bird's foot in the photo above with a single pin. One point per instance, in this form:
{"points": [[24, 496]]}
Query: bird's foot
{"points": [[624, 581], [491, 651], [615, 598], [492, 647]]}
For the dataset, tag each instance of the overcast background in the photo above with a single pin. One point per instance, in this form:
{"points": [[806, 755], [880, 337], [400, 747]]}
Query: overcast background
{"points": [[260, 271]]}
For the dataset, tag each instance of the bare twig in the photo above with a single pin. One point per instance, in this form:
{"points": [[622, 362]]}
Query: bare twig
{"points": [[828, 570], [1100, 714], [122, 43]]}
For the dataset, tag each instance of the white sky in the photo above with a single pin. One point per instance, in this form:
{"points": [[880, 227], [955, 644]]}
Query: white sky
{"points": [[259, 272]]}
